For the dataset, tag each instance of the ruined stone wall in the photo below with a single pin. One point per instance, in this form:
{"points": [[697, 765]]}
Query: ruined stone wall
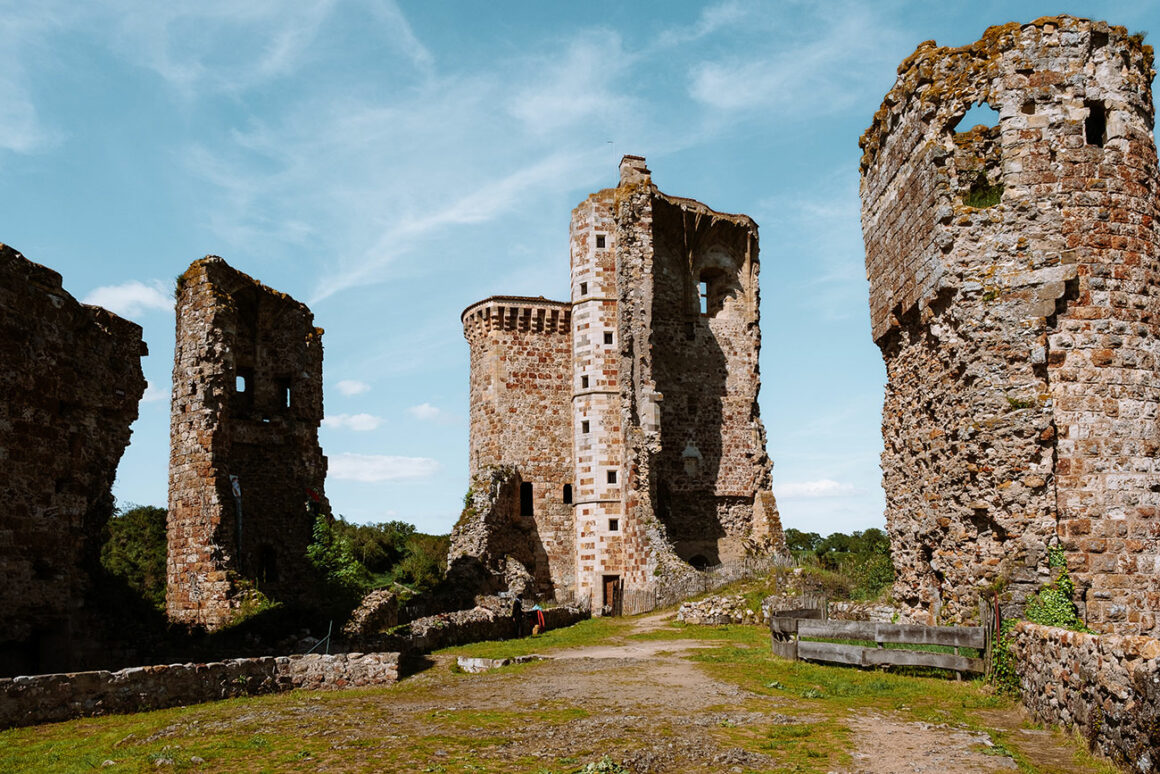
{"points": [[1013, 282], [521, 386], [1106, 688], [69, 385], [706, 342], [247, 403], [27, 701]]}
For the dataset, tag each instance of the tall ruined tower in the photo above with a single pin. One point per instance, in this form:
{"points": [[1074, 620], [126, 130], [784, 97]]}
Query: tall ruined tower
{"points": [[647, 404], [70, 381], [520, 417], [246, 472], [1015, 294]]}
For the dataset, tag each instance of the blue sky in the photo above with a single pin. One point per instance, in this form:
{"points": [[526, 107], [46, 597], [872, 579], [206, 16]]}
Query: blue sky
{"points": [[391, 163]]}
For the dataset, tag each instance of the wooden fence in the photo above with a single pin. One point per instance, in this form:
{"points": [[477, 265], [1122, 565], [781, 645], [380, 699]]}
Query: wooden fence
{"points": [[788, 633]]}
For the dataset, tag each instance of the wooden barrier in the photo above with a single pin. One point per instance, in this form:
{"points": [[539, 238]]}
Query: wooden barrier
{"points": [[789, 641]]}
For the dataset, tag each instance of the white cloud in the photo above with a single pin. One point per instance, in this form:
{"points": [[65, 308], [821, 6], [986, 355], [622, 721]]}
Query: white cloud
{"points": [[371, 468], [360, 423], [131, 298], [352, 387], [425, 411], [823, 487], [153, 393]]}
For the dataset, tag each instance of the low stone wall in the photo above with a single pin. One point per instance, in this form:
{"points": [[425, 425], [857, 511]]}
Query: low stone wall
{"points": [[719, 611], [726, 609], [37, 699], [1106, 687], [461, 627]]}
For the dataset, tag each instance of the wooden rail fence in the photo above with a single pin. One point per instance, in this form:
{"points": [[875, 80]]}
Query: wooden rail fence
{"points": [[789, 633]]}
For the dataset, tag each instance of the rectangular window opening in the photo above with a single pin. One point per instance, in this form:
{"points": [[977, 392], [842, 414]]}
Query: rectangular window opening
{"points": [[584, 382], [608, 337], [284, 393], [243, 381], [612, 476], [1095, 126], [600, 242], [584, 426], [527, 502], [614, 525], [567, 494], [583, 288], [703, 292]]}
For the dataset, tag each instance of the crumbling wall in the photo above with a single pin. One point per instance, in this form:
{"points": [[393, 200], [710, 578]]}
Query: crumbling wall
{"points": [[69, 386], [521, 388], [246, 472], [1013, 276]]}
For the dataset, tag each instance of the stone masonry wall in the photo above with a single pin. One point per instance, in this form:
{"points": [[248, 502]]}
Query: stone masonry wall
{"points": [[247, 403], [69, 385], [26, 701], [1105, 687], [521, 386], [1015, 297]]}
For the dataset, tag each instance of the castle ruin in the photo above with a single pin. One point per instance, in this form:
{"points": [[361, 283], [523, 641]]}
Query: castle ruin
{"points": [[617, 434], [1015, 295], [246, 472], [69, 388]]}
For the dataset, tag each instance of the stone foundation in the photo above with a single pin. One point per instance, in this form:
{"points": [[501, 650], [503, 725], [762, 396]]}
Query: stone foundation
{"points": [[1104, 687]]}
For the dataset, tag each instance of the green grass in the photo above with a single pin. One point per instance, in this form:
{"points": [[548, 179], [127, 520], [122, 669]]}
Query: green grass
{"points": [[593, 631]]}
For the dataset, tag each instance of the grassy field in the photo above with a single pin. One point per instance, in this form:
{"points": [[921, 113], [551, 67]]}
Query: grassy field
{"points": [[536, 717]]}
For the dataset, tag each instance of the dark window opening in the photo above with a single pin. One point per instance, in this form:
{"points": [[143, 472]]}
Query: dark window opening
{"points": [[527, 504], [1095, 127], [612, 476], [614, 525], [567, 494], [600, 243], [284, 393], [267, 564], [584, 426], [584, 382], [608, 337], [690, 331], [583, 288]]}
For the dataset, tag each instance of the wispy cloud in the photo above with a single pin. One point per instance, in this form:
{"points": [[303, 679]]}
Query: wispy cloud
{"points": [[426, 412], [350, 387], [823, 487], [805, 72], [360, 423], [372, 468], [131, 298], [154, 393]]}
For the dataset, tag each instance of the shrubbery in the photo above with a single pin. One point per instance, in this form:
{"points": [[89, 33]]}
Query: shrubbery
{"points": [[857, 564]]}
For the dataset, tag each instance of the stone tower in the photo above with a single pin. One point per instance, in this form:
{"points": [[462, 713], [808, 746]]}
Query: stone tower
{"points": [[246, 472], [70, 381], [656, 381], [1015, 295], [521, 389]]}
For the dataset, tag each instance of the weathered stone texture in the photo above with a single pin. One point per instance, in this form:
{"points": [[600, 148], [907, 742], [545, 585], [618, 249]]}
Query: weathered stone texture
{"points": [[247, 403], [1019, 337], [69, 386], [643, 403], [1105, 687], [521, 388], [26, 701]]}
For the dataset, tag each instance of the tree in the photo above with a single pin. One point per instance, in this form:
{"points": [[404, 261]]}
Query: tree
{"points": [[135, 551]]}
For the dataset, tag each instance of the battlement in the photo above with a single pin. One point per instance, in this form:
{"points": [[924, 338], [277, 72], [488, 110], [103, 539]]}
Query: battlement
{"points": [[516, 313]]}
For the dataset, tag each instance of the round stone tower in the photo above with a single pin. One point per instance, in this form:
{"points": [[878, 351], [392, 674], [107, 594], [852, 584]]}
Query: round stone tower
{"points": [[1015, 295], [521, 389]]}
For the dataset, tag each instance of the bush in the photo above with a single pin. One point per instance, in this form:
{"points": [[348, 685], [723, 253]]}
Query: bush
{"points": [[135, 551]]}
